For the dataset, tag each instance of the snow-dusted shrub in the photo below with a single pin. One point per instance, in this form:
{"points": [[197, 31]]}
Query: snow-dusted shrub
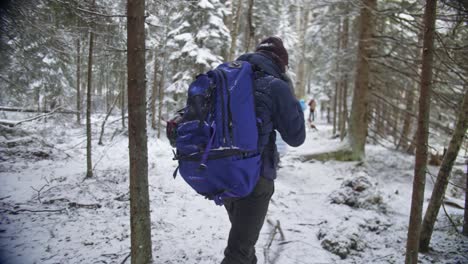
{"points": [[352, 234], [341, 241], [359, 191]]}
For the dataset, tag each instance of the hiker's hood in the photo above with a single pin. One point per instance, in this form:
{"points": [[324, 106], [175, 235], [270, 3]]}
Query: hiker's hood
{"points": [[265, 63]]}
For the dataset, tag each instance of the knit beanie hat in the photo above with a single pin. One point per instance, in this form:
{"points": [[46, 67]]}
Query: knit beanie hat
{"points": [[273, 46]]}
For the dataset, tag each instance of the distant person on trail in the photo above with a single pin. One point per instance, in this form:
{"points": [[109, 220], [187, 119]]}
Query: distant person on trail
{"points": [[279, 110], [312, 106]]}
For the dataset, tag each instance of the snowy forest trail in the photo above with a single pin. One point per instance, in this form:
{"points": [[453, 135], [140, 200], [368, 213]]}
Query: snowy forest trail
{"points": [[329, 212]]}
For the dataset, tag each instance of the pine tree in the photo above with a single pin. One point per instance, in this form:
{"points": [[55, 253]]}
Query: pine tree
{"points": [[197, 42]]}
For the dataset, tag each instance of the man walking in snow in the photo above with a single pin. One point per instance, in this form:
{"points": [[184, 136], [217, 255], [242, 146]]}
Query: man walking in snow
{"points": [[278, 109], [312, 106]]}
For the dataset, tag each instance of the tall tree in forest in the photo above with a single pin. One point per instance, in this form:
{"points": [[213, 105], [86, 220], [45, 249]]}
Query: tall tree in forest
{"points": [[443, 176], [78, 80], [465, 216], [301, 62], [196, 41], [89, 161], [359, 111], [154, 91], [164, 69], [284, 28], [336, 81], [122, 99], [419, 182], [235, 29], [250, 33], [405, 133], [140, 221], [344, 75]]}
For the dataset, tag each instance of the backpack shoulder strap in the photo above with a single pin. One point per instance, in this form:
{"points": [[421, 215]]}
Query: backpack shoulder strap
{"points": [[258, 72]]}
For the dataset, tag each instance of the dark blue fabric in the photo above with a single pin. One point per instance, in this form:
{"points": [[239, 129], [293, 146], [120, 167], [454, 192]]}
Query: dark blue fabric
{"points": [[278, 110]]}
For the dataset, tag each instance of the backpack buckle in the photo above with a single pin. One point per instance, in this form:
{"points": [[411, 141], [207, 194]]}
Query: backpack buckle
{"points": [[235, 64]]}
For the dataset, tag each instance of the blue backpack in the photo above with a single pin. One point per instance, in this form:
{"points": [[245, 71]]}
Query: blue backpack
{"points": [[216, 135]]}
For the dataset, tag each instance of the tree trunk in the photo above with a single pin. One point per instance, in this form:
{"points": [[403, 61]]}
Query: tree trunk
{"points": [[162, 80], [44, 100], [344, 112], [235, 30], [154, 92], [344, 77], [443, 176], [412, 146], [379, 110], [300, 80], [340, 104], [78, 80], [395, 124], [140, 221], [89, 164], [161, 98], [122, 100], [37, 94], [407, 120], [250, 34], [359, 110], [465, 218], [108, 90], [337, 82], [414, 228], [103, 125], [335, 107]]}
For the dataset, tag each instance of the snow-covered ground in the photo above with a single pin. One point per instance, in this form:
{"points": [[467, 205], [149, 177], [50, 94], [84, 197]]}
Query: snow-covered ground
{"points": [[50, 214]]}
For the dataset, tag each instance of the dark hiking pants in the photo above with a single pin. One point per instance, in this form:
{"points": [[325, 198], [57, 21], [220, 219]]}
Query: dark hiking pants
{"points": [[247, 216]]}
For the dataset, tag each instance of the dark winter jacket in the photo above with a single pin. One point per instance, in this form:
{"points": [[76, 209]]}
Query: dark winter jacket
{"points": [[276, 108]]}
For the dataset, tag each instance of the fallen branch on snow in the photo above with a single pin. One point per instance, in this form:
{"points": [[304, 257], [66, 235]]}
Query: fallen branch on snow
{"points": [[61, 210], [339, 155], [125, 259], [33, 211], [25, 110], [266, 249], [39, 192], [11, 123], [86, 206]]}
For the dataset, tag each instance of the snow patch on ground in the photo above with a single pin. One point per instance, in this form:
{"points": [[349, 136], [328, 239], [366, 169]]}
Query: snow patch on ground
{"points": [[329, 212]]}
